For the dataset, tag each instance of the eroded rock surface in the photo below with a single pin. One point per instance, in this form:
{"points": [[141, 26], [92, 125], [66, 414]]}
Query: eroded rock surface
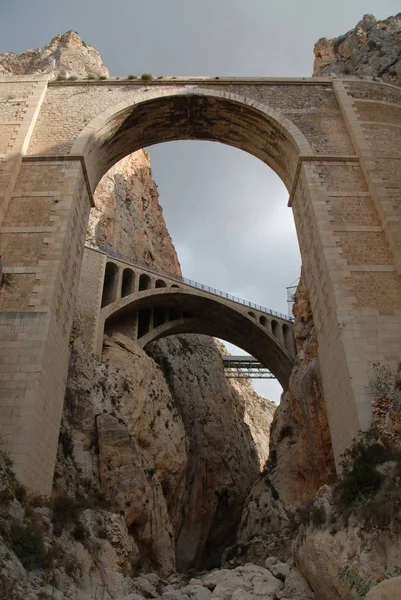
{"points": [[128, 216], [371, 50], [65, 56], [223, 462]]}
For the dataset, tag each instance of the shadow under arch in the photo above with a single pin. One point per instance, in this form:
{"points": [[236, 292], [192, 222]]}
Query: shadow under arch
{"points": [[216, 318], [191, 113]]}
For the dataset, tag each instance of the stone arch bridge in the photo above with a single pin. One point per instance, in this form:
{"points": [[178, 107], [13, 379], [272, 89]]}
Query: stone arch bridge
{"points": [[147, 304], [335, 144]]}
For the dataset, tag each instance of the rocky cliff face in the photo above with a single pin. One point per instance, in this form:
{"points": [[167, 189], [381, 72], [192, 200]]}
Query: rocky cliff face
{"points": [[128, 216], [372, 49], [66, 56], [223, 462], [300, 459]]}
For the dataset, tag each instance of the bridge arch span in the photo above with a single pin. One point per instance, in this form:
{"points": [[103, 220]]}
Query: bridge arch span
{"points": [[191, 114], [205, 315]]}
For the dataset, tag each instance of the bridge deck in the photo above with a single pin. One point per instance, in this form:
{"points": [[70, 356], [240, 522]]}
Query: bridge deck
{"points": [[195, 284]]}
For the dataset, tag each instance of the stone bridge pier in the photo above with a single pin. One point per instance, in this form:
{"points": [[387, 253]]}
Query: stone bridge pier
{"points": [[335, 145]]}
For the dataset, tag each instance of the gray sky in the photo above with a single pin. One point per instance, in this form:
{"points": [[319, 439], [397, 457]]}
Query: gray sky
{"points": [[226, 211]]}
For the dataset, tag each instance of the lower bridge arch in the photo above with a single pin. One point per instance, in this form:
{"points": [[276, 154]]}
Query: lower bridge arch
{"points": [[195, 312]]}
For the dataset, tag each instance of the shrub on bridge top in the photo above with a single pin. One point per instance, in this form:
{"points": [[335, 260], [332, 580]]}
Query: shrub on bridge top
{"points": [[146, 76]]}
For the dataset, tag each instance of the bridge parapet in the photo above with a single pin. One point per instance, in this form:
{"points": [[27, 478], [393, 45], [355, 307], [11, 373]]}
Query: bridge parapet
{"points": [[154, 269], [155, 298]]}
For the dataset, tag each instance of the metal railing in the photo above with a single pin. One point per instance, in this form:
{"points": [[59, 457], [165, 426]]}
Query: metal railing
{"points": [[245, 367], [195, 284]]}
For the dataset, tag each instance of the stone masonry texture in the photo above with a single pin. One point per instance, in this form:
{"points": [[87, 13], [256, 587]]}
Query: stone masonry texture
{"points": [[334, 144]]}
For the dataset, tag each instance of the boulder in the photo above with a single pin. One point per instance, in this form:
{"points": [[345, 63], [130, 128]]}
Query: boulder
{"points": [[386, 590]]}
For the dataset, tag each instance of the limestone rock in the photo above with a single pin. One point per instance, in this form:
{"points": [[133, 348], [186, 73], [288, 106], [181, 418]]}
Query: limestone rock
{"points": [[149, 411], [135, 492], [272, 560], [128, 216], [222, 457], [320, 554], [301, 458], [386, 590], [243, 582], [66, 56], [296, 588], [370, 50], [280, 570], [257, 412]]}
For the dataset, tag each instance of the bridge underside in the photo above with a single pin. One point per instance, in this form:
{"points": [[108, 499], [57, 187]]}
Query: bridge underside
{"points": [[197, 314]]}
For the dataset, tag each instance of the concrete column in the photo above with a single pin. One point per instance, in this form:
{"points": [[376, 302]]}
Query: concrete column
{"points": [[42, 249]]}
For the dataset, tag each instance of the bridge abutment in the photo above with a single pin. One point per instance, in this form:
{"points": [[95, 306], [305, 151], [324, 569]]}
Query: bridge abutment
{"points": [[42, 248]]}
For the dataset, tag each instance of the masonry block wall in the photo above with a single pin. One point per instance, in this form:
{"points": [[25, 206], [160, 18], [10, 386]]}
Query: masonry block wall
{"points": [[334, 144]]}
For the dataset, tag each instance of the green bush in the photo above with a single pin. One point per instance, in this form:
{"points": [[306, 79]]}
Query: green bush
{"points": [[384, 509], [318, 515], [28, 545], [355, 581], [102, 77], [79, 533], [132, 77], [65, 510], [66, 442], [20, 493], [360, 478], [6, 496], [146, 76]]}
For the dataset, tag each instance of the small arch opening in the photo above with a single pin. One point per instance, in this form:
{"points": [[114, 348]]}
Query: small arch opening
{"points": [[128, 283], [144, 317], [145, 282], [110, 284], [160, 283], [173, 314], [160, 316], [275, 329], [263, 321], [288, 338], [175, 286], [252, 314]]}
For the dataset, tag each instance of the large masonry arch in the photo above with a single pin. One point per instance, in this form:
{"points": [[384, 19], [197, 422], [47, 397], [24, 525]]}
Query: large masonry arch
{"points": [[335, 145], [197, 312]]}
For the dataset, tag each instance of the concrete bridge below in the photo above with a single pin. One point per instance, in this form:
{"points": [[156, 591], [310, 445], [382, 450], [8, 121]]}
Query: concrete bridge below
{"points": [[147, 304]]}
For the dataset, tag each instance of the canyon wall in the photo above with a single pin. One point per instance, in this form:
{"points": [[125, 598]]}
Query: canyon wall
{"points": [[371, 50]]}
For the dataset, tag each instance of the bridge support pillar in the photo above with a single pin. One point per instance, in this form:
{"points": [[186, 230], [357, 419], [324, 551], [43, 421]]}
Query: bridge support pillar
{"points": [[42, 249]]}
